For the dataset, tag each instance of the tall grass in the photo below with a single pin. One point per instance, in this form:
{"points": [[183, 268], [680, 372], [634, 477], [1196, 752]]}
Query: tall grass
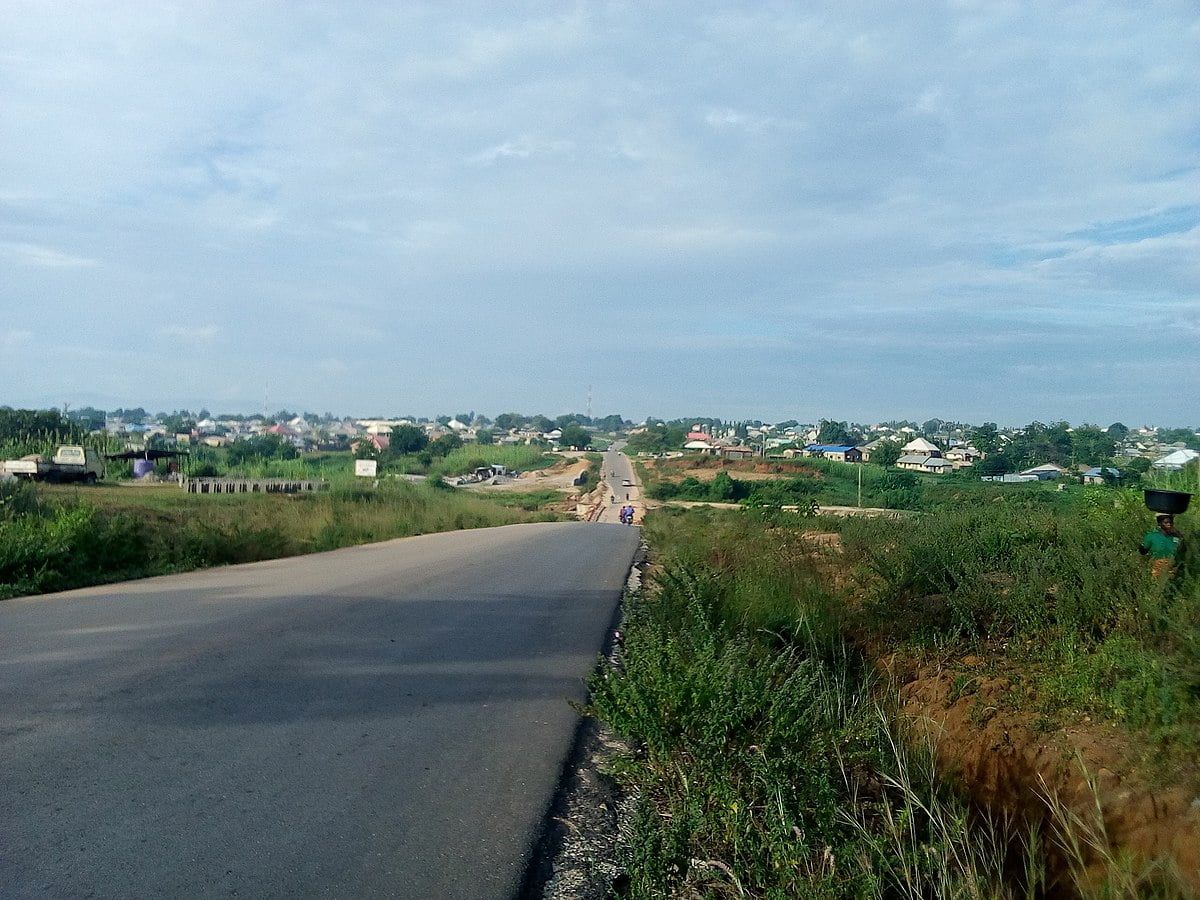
{"points": [[764, 746], [1063, 592], [764, 765], [57, 539]]}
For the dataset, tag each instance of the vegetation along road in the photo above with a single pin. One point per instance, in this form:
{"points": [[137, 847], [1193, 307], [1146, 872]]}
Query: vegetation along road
{"points": [[384, 720]]}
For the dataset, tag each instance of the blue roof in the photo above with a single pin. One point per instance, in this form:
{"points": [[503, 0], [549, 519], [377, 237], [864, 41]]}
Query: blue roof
{"points": [[836, 448]]}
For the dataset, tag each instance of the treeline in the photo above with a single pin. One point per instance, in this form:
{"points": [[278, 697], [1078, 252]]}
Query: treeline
{"points": [[511, 420], [1038, 443]]}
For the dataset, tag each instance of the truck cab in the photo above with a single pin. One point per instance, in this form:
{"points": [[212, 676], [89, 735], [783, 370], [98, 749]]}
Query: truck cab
{"points": [[75, 463]]}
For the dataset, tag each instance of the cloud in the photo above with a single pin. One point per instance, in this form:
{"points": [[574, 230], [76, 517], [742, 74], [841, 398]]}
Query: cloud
{"points": [[14, 338], [191, 334], [43, 257], [521, 148], [1167, 265], [877, 179], [703, 237]]}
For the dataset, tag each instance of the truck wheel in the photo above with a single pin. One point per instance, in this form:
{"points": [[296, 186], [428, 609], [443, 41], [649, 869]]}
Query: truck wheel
{"points": [[89, 478]]}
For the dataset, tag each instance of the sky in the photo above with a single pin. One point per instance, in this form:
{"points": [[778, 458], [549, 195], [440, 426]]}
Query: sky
{"points": [[864, 211]]}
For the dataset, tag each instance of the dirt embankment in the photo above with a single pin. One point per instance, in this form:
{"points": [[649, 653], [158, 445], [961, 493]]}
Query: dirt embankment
{"points": [[706, 468], [1086, 776]]}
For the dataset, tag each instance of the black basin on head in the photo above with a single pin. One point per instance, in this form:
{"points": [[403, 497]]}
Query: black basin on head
{"points": [[1170, 502]]}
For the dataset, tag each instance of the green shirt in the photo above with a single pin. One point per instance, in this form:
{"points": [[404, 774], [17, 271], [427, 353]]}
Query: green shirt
{"points": [[1161, 546]]}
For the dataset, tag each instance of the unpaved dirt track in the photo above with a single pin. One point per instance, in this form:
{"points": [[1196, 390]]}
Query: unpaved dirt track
{"points": [[382, 721]]}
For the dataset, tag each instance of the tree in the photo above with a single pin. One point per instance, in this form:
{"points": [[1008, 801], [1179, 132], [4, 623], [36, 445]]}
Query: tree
{"points": [[572, 419], [575, 437], [178, 423], [986, 437], [1117, 431], [885, 453], [1138, 465], [365, 449], [408, 439], [1091, 446], [835, 433], [541, 424], [998, 462], [509, 421], [658, 439], [259, 447], [484, 436], [722, 488], [610, 424], [899, 490], [91, 418], [1185, 436], [933, 426], [1040, 443], [445, 444]]}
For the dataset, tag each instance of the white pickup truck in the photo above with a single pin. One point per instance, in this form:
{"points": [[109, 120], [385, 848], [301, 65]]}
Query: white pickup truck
{"points": [[70, 462]]}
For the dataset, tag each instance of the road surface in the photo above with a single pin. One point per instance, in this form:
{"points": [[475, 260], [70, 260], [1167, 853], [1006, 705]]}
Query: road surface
{"points": [[617, 469], [381, 721]]}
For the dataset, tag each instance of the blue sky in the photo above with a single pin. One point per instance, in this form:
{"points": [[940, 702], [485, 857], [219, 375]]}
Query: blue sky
{"points": [[856, 210]]}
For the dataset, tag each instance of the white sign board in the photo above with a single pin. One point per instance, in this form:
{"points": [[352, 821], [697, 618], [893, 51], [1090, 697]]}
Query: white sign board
{"points": [[365, 467]]}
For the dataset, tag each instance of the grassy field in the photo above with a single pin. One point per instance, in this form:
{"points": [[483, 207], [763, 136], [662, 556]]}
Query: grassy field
{"points": [[832, 483], [766, 749], [465, 459], [53, 538]]}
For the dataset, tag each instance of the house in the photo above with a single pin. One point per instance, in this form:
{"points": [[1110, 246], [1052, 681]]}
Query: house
{"points": [[1175, 460], [923, 462], [699, 446], [869, 447], [738, 452], [962, 456], [1095, 475], [922, 447], [1046, 471], [379, 441], [839, 452]]}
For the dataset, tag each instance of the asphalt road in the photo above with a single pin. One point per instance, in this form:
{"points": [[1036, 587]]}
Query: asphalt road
{"points": [[381, 721], [616, 469]]}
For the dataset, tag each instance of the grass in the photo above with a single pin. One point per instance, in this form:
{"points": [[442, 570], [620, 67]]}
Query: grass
{"points": [[472, 456], [763, 762], [58, 538], [530, 501], [1061, 593], [764, 747]]}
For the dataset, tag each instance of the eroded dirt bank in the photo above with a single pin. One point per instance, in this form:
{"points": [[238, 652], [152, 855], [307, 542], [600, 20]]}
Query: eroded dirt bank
{"points": [[1091, 770]]}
